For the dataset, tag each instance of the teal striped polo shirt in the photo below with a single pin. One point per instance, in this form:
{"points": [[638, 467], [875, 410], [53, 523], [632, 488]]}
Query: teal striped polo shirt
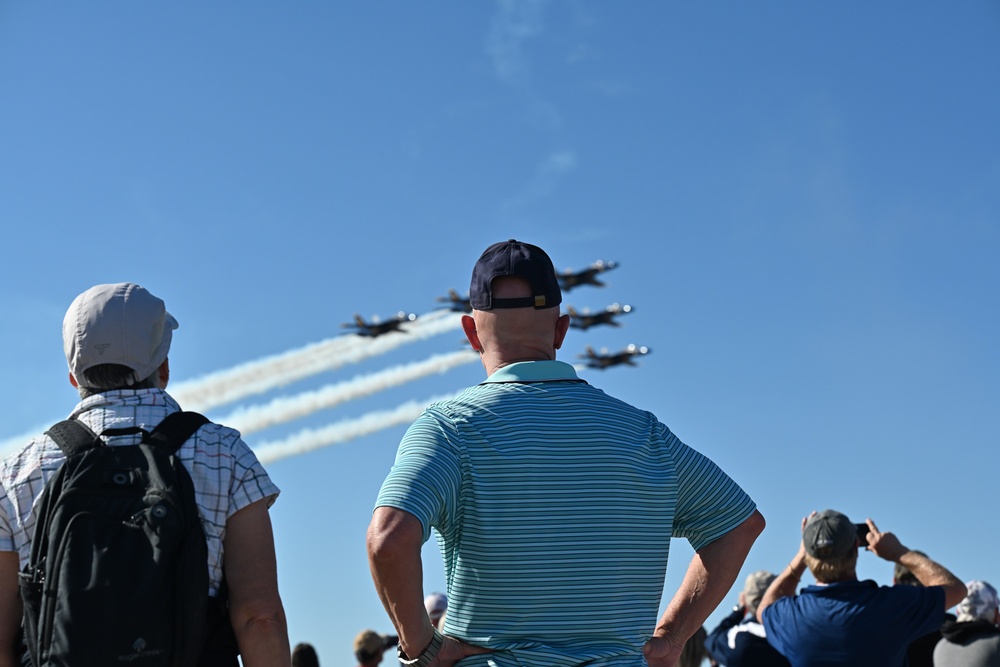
{"points": [[554, 505]]}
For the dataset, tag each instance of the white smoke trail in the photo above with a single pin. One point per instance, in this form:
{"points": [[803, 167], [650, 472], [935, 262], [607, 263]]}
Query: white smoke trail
{"points": [[309, 439], [255, 377], [257, 417]]}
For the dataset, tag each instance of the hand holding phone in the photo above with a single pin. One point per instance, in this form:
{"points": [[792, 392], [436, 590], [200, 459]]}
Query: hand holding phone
{"points": [[861, 530]]}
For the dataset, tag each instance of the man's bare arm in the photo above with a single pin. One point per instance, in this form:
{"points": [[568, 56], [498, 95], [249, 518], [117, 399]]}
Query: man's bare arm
{"points": [[709, 577], [255, 608], [394, 541], [929, 573], [10, 608], [395, 538], [784, 584]]}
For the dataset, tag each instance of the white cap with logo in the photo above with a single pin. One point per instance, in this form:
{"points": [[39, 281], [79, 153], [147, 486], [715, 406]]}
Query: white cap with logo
{"points": [[119, 323]]}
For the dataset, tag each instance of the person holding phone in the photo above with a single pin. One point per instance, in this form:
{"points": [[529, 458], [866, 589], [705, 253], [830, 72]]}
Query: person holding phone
{"points": [[843, 621]]}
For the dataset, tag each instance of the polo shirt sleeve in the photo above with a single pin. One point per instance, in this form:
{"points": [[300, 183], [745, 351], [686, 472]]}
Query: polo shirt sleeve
{"points": [[426, 478], [709, 502]]}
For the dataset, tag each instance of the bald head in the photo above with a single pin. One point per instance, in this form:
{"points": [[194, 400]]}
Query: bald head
{"points": [[509, 335]]}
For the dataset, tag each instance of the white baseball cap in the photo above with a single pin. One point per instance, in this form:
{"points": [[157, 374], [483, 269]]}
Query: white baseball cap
{"points": [[436, 604], [119, 323]]}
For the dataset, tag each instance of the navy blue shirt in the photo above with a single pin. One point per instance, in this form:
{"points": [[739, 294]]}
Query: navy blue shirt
{"points": [[740, 642], [853, 623]]}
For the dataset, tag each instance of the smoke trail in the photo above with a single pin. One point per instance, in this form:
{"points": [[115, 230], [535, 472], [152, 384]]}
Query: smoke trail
{"points": [[308, 440], [255, 377], [257, 417]]}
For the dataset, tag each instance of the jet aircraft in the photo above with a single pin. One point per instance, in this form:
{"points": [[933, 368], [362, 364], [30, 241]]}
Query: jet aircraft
{"points": [[377, 327], [604, 359], [455, 302], [588, 276], [585, 320]]}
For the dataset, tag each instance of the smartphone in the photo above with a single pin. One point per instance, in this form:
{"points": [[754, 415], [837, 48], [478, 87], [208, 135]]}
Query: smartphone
{"points": [[861, 529]]}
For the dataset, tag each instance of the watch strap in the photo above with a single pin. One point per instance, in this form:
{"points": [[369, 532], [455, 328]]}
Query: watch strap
{"points": [[428, 654]]}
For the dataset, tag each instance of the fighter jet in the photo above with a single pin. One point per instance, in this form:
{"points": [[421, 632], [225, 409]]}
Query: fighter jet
{"points": [[586, 319], [588, 276], [605, 359], [377, 327], [456, 303]]}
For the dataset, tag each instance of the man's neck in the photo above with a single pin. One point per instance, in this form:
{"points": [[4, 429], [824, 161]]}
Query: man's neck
{"points": [[494, 362], [853, 577]]}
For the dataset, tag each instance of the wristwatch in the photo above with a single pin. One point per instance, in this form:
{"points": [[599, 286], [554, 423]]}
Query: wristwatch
{"points": [[425, 658]]}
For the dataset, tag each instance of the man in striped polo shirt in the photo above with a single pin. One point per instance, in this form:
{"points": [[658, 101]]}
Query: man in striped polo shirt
{"points": [[554, 504]]}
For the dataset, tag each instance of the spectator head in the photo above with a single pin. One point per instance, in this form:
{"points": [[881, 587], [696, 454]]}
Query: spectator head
{"points": [[436, 604], [304, 655], [903, 577], [513, 259], [116, 336], [370, 645], [754, 588], [831, 543], [979, 604], [515, 298]]}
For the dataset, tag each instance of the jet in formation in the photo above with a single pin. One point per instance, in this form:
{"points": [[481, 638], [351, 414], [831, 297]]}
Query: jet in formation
{"points": [[586, 319], [378, 327], [604, 359], [588, 276], [455, 302]]}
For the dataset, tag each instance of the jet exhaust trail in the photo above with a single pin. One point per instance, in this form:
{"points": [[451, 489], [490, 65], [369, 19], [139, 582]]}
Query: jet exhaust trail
{"points": [[308, 440], [280, 410], [256, 377]]}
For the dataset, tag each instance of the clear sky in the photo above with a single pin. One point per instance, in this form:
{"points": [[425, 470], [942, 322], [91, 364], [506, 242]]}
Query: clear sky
{"points": [[804, 199]]}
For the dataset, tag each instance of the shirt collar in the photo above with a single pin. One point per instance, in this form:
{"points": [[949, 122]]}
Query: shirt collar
{"points": [[535, 371], [118, 399]]}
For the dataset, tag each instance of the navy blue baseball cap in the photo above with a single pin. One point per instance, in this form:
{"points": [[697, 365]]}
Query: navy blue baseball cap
{"points": [[514, 259]]}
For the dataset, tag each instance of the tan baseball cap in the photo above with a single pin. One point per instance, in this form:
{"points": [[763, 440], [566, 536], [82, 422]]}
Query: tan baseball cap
{"points": [[120, 323]]}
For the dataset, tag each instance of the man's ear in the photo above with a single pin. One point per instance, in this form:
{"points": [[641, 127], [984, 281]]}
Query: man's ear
{"points": [[469, 327], [72, 381], [562, 326], [163, 372]]}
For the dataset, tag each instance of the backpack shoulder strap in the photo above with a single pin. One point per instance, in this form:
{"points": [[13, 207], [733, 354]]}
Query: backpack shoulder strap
{"points": [[73, 436], [175, 429]]}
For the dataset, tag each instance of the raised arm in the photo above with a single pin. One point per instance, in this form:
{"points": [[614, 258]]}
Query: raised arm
{"points": [[929, 573], [784, 584], [255, 607], [709, 578]]}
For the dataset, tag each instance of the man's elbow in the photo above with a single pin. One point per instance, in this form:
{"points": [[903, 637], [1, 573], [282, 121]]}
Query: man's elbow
{"points": [[748, 531], [954, 593], [259, 617], [391, 534], [755, 524]]}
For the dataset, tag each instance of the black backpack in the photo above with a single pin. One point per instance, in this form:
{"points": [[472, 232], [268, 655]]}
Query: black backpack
{"points": [[118, 572]]}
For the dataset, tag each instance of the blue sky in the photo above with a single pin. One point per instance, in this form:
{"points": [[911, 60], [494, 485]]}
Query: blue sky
{"points": [[804, 200]]}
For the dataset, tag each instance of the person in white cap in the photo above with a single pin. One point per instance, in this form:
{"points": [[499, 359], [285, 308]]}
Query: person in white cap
{"points": [[117, 338], [436, 605], [841, 620], [973, 638]]}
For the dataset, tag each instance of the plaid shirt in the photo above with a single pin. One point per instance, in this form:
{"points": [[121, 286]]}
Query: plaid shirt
{"points": [[226, 474]]}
